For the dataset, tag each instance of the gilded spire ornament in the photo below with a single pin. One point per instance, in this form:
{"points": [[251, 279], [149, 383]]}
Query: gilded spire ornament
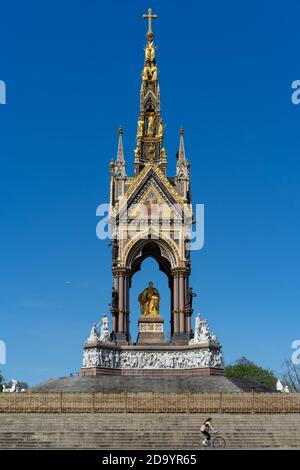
{"points": [[140, 129], [150, 17], [160, 134], [150, 126], [150, 51]]}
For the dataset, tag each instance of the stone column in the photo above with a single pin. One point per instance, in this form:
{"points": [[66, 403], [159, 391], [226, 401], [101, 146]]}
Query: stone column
{"points": [[121, 320], [126, 305], [175, 305], [114, 308], [188, 324], [121, 304], [114, 323], [181, 304], [189, 312], [180, 335], [171, 287]]}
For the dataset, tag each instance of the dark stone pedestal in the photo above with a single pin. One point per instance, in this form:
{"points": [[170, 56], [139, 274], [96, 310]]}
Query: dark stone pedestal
{"points": [[121, 339], [151, 330], [180, 339]]}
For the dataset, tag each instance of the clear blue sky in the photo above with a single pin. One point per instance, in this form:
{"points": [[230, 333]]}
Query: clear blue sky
{"points": [[72, 70]]}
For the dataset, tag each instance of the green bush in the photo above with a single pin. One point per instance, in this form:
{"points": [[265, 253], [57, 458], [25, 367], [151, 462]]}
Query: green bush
{"points": [[251, 372]]}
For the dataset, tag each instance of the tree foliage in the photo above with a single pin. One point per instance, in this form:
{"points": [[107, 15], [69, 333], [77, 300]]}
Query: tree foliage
{"points": [[291, 375], [1, 381], [245, 369]]}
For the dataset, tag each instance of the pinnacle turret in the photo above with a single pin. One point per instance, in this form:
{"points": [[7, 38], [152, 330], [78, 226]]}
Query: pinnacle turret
{"points": [[120, 168], [181, 154], [120, 153], [182, 170]]}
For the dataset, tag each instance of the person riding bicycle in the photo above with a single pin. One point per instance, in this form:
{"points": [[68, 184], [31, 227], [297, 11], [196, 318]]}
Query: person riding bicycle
{"points": [[205, 428]]}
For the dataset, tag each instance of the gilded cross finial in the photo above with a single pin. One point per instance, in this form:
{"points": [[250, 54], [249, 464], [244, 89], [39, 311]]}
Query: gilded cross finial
{"points": [[150, 17]]}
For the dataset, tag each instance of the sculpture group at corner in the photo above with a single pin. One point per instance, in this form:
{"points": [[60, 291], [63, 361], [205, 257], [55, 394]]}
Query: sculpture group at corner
{"points": [[13, 388], [104, 335], [202, 333]]}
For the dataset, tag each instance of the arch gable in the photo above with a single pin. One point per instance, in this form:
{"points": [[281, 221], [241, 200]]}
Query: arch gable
{"points": [[163, 250]]}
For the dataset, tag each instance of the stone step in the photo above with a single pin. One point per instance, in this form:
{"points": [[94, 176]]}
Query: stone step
{"points": [[142, 431]]}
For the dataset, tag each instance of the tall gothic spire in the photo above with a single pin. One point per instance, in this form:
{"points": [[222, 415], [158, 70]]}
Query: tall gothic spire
{"points": [[119, 168], [182, 171], [120, 153], [150, 128], [181, 154]]}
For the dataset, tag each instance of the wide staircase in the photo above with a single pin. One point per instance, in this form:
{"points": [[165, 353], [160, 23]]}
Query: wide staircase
{"points": [[145, 431]]}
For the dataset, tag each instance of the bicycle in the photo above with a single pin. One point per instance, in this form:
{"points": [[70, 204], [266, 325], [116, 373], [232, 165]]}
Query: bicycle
{"points": [[216, 442]]}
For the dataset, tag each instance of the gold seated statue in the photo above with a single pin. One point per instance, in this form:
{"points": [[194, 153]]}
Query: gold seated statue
{"points": [[149, 301]]}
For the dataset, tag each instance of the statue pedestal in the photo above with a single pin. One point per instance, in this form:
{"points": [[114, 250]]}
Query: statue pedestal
{"points": [[151, 330]]}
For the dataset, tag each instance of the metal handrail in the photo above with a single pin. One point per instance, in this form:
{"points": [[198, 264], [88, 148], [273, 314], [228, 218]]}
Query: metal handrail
{"points": [[150, 402]]}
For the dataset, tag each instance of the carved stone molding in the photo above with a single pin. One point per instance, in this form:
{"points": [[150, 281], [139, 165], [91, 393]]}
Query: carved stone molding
{"points": [[135, 359]]}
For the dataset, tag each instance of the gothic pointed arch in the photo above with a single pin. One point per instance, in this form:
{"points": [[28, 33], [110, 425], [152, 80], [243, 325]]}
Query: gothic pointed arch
{"points": [[157, 244]]}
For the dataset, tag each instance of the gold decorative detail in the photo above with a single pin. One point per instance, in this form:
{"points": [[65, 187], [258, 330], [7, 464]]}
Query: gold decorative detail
{"points": [[146, 75], [150, 72], [140, 129], [120, 271], [150, 17], [148, 205], [150, 51], [136, 153], [151, 152], [153, 73], [160, 133], [119, 310], [149, 301], [150, 125], [170, 188], [136, 181], [160, 174], [180, 271], [158, 235]]}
